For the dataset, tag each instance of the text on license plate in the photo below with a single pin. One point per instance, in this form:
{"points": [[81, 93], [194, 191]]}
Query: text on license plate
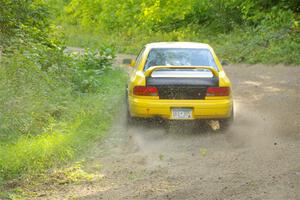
{"points": [[182, 113]]}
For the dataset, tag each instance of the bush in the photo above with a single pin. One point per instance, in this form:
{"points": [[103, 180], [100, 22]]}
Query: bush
{"points": [[89, 66]]}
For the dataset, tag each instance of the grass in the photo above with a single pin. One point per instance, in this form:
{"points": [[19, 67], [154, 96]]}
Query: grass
{"points": [[65, 140]]}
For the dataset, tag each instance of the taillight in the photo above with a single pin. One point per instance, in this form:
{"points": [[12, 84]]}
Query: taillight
{"points": [[218, 91], [145, 91]]}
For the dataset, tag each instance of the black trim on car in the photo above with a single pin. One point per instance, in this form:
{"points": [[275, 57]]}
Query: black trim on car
{"points": [[182, 88]]}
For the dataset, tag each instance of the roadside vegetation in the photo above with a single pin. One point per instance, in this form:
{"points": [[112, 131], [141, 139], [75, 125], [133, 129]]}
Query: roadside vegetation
{"points": [[53, 104], [262, 31]]}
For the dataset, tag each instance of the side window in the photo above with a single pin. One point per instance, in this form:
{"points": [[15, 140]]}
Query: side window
{"points": [[139, 58]]}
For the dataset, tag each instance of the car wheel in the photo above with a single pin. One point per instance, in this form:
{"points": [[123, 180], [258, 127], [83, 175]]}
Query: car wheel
{"points": [[130, 121], [226, 123]]}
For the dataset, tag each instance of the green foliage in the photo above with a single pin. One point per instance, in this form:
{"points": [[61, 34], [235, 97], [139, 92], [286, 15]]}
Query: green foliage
{"points": [[30, 97], [54, 104], [88, 117], [242, 31], [24, 21], [274, 40], [36, 88], [89, 66]]}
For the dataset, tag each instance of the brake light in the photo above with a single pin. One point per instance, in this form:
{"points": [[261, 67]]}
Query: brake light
{"points": [[145, 91], [218, 91]]}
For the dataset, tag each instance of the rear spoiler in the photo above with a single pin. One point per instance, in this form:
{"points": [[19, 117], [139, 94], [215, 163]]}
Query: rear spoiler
{"points": [[150, 70]]}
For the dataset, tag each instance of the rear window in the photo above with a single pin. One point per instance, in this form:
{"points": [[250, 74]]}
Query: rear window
{"points": [[180, 57]]}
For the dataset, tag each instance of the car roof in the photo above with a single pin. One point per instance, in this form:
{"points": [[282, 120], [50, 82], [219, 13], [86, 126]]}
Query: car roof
{"points": [[177, 45]]}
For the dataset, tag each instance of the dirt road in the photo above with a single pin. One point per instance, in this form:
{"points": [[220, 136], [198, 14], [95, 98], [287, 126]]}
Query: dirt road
{"points": [[258, 158]]}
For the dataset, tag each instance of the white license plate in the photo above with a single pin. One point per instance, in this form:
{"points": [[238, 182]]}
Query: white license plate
{"points": [[182, 113]]}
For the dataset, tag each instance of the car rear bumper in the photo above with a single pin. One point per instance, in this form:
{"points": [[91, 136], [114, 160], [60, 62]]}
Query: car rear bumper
{"points": [[201, 109]]}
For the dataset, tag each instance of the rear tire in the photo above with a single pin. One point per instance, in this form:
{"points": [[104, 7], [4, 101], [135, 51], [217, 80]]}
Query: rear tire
{"points": [[226, 123], [129, 119]]}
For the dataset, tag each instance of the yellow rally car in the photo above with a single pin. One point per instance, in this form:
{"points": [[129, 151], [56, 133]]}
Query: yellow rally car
{"points": [[179, 81]]}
